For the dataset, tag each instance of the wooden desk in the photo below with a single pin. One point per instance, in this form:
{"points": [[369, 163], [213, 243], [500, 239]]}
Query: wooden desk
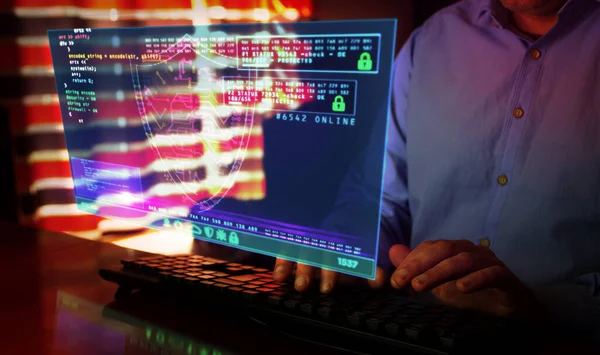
{"points": [[52, 302]]}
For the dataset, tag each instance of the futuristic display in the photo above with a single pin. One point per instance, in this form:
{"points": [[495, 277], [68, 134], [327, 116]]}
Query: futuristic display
{"points": [[264, 137]]}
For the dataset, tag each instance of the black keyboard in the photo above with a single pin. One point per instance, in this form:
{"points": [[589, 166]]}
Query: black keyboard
{"points": [[379, 317]]}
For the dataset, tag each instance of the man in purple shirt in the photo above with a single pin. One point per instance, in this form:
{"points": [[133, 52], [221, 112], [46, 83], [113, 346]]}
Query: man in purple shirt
{"points": [[492, 184]]}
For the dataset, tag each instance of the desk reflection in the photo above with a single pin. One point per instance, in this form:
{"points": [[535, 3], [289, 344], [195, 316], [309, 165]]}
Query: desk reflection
{"points": [[86, 328]]}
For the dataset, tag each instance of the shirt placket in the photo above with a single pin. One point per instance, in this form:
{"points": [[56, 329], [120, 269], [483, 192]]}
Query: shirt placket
{"points": [[517, 114]]}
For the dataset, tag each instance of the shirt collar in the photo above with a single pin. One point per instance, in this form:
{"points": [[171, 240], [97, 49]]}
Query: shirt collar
{"points": [[483, 10]]}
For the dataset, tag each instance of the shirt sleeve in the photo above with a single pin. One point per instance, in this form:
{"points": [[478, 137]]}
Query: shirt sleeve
{"points": [[395, 211]]}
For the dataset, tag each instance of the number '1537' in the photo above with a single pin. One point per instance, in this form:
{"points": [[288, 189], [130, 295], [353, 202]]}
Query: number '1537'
{"points": [[347, 263]]}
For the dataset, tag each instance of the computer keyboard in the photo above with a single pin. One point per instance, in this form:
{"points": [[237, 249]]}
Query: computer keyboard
{"points": [[375, 316]]}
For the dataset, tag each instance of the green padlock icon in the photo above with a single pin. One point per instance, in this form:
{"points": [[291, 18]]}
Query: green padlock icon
{"points": [[365, 62], [338, 104]]}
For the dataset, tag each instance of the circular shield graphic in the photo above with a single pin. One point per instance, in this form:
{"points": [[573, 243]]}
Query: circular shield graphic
{"points": [[198, 140]]}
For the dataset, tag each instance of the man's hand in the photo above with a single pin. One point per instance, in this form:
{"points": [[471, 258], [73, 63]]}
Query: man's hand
{"points": [[306, 274], [464, 275]]}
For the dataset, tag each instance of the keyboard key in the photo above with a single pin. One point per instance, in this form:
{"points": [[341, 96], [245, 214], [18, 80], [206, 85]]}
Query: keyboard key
{"points": [[244, 278], [220, 287], [354, 319], [382, 316], [264, 289], [257, 282], [275, 300], [412, 332], [216, 261], [234, 290], [439, 331], [278, 293], [164, 276], [327, 303], [324, 312], [251, 294], [206, 284], [373, 324], [206, 277], [148, 258], [415, 331], [178, 277], [394, 329], [250, 286], [449, 339], [260, 270], [291, 304], [220, 274], [229, 282], [307, 308], [297, 296], [267, 275]]}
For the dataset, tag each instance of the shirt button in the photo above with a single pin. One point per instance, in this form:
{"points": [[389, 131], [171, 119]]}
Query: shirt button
{"points": [[484, 242], [535, 54], [518, 113], [502, 180]]}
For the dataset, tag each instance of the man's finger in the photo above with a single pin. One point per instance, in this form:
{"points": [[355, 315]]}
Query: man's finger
{"points": [[283, 270], [380, 279], [304, 276], [450, 269], [426, 256], [398, 253], [328, 280], [496, 276]]}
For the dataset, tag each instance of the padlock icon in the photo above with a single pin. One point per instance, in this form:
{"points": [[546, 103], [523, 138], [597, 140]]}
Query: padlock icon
{"points": [[338, 104], [365, 62], [233, 238]]}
